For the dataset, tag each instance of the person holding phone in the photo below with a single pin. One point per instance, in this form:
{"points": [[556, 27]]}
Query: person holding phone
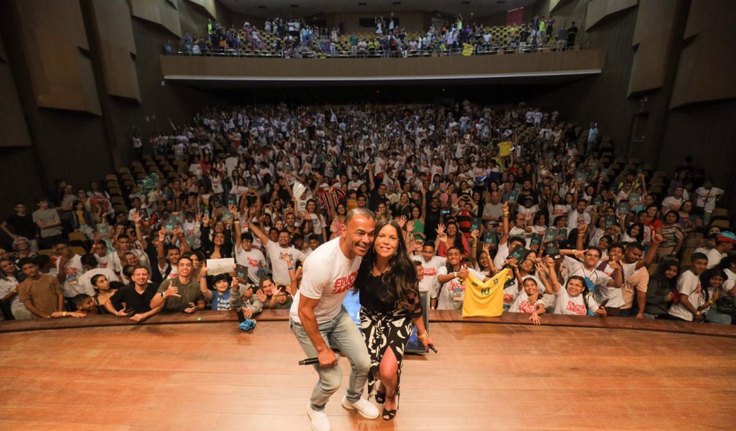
{"points": [[391, 308]]}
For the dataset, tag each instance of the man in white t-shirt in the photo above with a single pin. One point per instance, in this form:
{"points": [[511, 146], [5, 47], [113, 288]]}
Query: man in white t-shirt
{"points": [[68, 270], [318, 318], [596, 280], [692, 300], [724, 245], [276, 253]]}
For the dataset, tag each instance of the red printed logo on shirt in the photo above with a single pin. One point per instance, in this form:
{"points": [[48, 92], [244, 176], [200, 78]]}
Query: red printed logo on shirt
{"points": [[429, 271], [578, 309], [344, 283], [253, 262]]}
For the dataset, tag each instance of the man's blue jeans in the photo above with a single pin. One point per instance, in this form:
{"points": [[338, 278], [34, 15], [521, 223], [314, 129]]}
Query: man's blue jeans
{"points": [[342, 334]]}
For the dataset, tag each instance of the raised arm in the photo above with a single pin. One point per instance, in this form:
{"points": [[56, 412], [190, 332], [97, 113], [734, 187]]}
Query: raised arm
{"points": [[258, 233]]}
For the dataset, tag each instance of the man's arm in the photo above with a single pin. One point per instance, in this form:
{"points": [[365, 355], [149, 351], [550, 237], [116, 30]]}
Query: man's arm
{"points": [[258, 233], [139, 317], [325, 354], [5, 229], [36, 312]]}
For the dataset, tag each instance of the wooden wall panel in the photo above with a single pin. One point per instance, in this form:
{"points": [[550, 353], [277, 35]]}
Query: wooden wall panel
{"points": [[52, 36], [651, 39], [707, 65], [118, 48], [600, 9], [159, 12], [13, 127], [207, 6]]}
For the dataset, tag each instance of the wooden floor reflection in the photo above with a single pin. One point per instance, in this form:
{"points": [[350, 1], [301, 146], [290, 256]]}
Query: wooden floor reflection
{"points": [[211, 376]]}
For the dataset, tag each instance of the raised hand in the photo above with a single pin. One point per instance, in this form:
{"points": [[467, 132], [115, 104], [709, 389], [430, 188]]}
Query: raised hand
{"points": [[401, 220]]}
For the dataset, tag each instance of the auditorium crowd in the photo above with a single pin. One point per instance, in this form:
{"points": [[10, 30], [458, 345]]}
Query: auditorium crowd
{"points": [[295, 38], [477, 190]]}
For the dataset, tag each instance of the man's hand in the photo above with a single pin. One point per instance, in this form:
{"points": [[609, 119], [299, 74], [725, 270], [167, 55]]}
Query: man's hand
{"points": [[327, 358], [138, 318], [172, 291]]}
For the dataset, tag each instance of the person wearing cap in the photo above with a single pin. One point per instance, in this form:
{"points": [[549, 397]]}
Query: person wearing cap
{"points": [[724, 245]]}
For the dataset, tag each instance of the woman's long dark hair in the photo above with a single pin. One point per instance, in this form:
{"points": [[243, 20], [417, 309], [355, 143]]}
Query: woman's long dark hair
{"points": [[401, 279]]}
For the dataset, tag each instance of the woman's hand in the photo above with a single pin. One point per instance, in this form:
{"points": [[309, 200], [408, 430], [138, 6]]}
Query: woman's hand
{"points": [[535, 318]]}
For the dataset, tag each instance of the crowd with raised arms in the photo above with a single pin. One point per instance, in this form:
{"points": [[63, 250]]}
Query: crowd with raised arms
{"points": [[295, 38], [475, 189]]}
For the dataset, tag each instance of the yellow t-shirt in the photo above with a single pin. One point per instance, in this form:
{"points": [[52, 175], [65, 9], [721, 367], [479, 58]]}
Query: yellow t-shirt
{"points": [[485, 299]]}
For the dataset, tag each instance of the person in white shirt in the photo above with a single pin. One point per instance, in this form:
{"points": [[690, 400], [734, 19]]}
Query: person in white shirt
{"points": [[706, 197], [317, 318], [431, 265], [692, 300], [68, 270], [248, 256], [724, 245], [275, 252]]}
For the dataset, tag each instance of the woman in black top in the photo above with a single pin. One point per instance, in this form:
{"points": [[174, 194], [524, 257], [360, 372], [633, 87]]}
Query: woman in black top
{"points": [[391, 307]]}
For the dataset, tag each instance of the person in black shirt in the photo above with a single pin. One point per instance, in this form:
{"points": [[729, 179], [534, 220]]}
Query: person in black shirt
{"points": [[134, 300], [390, 308], [21, 224]]}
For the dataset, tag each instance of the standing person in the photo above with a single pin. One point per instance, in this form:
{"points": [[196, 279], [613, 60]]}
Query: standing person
{"points": [[391, 307], [318, 318]]}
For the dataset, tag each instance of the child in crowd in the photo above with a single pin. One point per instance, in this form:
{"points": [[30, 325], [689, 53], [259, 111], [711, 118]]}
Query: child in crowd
{"points": [[219, 299]]}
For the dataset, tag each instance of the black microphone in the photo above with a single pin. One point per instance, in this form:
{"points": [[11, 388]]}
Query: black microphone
{"points": [[309, 361]]}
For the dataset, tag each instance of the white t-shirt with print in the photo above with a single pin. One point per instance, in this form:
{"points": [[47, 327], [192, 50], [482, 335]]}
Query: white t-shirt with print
{"points": [[328, 275], [279, 267], [521, 303], [688, 285], [446, 296], [574, 305], [429, 282], [254, 260]]}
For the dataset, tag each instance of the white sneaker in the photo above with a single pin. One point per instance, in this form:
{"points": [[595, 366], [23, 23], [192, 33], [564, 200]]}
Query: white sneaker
{"points": [[319, 419], [362, 406]]}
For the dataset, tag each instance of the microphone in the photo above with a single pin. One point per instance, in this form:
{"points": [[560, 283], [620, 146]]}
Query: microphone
{"points": [[314, 360]]}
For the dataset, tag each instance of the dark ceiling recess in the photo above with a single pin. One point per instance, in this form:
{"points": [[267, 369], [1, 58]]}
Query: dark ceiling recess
{"points": [[293, 5], [261, 7]]}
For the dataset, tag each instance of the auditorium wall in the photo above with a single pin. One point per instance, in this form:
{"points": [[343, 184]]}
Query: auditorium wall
{"points": [[680, 96], [84, 86]]}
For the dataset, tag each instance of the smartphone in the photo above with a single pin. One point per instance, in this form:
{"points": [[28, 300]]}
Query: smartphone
{"points": [[552, 250], [241, 272], [520, 253], [536, 239]]}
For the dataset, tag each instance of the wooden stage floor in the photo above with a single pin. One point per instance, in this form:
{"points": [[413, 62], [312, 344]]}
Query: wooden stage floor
{"points": [[210, 376]]}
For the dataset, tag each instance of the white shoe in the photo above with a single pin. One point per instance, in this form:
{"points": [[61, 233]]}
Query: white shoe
{"points": [[362, 406], [319, 419]]}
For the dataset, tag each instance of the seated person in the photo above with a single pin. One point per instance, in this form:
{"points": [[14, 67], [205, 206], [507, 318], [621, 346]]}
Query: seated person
{"points": [[105, 289], [243, 297], [85, 304], [134, 300], [220, 298], [180, 293]]}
